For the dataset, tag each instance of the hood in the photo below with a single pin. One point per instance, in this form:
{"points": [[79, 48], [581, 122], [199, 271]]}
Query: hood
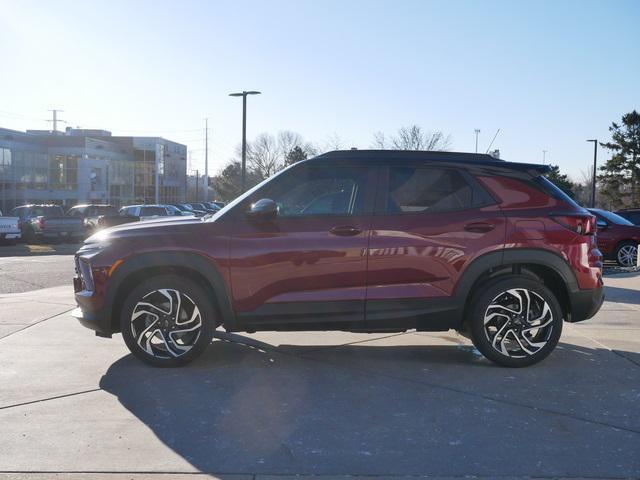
{"points": [[161, 227]]}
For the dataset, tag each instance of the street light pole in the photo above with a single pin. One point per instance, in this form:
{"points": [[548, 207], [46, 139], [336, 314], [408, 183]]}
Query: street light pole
{"points": [[477, 130], [595, 161], [244, 94]]}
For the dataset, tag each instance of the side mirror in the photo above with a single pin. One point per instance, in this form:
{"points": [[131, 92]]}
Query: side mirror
{"points": [[265, 208]]}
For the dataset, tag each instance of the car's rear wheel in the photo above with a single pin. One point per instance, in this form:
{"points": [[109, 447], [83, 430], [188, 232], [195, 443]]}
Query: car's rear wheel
{"points": [[515, 321], [167, 321], [627, 254]]}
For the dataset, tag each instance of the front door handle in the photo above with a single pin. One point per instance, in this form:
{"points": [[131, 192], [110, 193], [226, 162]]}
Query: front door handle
{"points": [[345, 231], [479, 227]]}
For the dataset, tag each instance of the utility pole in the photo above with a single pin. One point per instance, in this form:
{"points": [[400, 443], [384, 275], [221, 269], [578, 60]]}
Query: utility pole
{"points": [[544, 157], [159, 157], [55, 119], [477, 130], [595, 162], [206, 159], [244, 94]]}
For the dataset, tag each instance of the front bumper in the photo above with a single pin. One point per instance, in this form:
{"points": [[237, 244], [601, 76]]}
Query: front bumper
{"points": [[93, 318], [585, 304]]}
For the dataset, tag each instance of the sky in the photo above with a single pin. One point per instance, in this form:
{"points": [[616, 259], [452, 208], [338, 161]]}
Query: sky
{"points": [[548, 74]]}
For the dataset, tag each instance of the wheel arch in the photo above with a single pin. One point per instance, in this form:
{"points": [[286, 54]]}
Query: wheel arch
{"points": [[548, 267], [192, 265]]}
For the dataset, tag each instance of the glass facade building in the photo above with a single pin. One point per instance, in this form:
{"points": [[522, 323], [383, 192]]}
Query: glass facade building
{"points": [[89, 166]]}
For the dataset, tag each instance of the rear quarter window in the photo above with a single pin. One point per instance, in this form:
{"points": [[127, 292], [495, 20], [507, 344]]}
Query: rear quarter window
{"points": [[550, 188]]}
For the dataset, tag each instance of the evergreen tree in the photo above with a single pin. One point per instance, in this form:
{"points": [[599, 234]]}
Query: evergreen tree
{"points": [[621, 174], [294, 155], [562, 181]]}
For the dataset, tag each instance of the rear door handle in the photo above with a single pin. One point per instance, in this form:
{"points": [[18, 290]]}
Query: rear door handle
{"points": [[479, 227], [345, 231]]}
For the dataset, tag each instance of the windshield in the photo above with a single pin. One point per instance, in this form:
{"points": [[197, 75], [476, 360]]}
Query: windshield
{"points": [[613, 217]]}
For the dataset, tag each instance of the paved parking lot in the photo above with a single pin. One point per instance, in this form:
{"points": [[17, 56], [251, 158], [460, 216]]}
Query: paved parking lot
{"points": [[315, 403]]}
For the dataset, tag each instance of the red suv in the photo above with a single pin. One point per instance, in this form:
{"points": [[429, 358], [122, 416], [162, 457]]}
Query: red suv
{"points": [[618, 238], [360, 241]]}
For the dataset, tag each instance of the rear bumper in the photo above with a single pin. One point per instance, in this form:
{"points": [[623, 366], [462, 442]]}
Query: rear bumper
{"points": [[10, 236], [63, 235], [585, 304]]}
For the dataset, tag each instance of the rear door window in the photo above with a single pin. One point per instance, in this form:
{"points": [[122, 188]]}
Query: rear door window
{"points": [[426, 190]]}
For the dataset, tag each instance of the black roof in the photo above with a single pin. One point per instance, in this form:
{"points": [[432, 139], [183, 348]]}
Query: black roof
{"points": [[479, 160]]}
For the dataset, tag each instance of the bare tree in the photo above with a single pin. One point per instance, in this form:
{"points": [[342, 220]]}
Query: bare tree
{"points": [[331, 142], [413, 138], [263, 155], [289, 141], [379, 141]]}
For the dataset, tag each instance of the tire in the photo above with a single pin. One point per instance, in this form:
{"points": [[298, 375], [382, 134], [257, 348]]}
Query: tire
{"points": [[499, 326], [627, 254], [148, 321]]}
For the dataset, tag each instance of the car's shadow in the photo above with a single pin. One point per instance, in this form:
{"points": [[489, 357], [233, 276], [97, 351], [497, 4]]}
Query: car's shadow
{"points": [[622, 295], [249, 407]]}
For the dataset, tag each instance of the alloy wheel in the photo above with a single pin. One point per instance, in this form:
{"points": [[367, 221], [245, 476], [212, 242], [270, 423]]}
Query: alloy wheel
{"points": [[518, 323], [628, 255], [166, 323]]}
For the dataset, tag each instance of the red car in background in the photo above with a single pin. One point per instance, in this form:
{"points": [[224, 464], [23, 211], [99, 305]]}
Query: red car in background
{"points": [[618, 238]]}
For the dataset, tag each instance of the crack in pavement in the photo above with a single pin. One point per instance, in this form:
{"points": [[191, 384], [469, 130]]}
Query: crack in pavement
{"points": [[36, 323], [605, 347], [56, 397]]}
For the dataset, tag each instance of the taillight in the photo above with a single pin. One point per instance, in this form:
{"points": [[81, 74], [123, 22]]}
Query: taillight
{"points": [[578, 223]]}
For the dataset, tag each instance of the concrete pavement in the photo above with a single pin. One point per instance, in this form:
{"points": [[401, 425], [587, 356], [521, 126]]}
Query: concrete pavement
{"points": [[317, 403], [25, 274]]}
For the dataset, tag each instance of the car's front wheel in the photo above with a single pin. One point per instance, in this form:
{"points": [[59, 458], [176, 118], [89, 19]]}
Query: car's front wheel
{"points": [[515, 321], [167, 321], [627, 254]]}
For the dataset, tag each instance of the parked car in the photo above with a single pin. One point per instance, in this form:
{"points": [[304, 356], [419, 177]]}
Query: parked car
{"points": [[203, 207], [48, 223], [185, 207], [363, 241], [93, 215], [177, 212], [146, 212], [212, 206], [219, 203], [631, 214], [9, 229], [617, 237]]}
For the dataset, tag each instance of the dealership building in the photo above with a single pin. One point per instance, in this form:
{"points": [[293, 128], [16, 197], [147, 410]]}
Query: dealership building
{"points": [[89, 166]]}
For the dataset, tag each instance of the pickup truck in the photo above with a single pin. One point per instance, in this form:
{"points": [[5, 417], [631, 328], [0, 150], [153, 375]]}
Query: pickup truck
{"points": [[9, 229], [48, 223]]}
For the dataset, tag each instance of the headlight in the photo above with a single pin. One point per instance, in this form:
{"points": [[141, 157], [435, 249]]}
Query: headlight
{"points": [[85, 273]]}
